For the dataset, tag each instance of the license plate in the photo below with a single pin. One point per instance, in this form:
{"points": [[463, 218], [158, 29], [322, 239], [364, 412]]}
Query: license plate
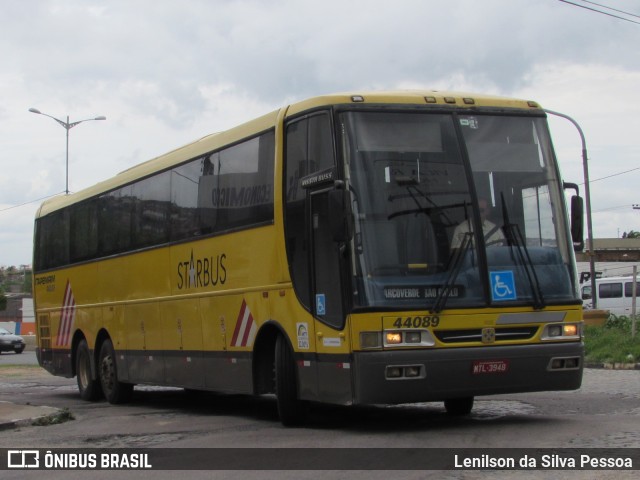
{"points": [[481, 367]]}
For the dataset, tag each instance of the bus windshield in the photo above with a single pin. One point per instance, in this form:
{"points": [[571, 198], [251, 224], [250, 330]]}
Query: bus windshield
{"points": [[454, 211]]}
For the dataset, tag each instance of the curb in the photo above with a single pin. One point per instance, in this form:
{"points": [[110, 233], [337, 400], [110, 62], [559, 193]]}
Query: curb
{"points": [[613, 366], [13, 415]]}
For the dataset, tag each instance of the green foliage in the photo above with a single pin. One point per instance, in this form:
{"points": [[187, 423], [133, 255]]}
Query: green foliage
{"points": [[16, 279], [621, 322], [612, 342], [62, 416]]}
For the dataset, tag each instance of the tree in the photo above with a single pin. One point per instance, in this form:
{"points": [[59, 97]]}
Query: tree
{"points": [[631, 234], [27, 285], [3, 300]]}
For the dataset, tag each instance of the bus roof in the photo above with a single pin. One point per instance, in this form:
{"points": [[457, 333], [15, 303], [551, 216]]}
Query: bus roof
{"points": [[218, 140]]}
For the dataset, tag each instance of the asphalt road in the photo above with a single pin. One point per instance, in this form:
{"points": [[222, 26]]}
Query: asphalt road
{"points": [[604, 413], [25, 358]]}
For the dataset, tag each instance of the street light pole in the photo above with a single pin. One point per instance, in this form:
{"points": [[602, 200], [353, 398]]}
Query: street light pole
{"points": [[587, 199], [67, 126]]}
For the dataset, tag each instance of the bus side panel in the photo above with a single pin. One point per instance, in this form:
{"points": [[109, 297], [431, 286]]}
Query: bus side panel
{"points": [[299, 326], [113, 321], [322, 353], [335, 383], [182, 343], [230, 324], [145, 359]]}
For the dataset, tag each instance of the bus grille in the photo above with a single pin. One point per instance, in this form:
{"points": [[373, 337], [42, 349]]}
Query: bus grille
{"points": [[475, 335]]}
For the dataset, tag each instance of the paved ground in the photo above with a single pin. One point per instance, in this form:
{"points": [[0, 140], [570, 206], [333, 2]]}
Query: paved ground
{"points": [[623, 386], [603, 413]]}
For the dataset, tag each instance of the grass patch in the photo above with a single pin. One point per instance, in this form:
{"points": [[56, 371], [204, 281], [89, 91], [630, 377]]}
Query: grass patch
{"points": [[14, 365], [612, 342], [62, 416]]}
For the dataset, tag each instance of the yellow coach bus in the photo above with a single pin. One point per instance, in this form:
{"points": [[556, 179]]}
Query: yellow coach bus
{"points": [[386, 247]]}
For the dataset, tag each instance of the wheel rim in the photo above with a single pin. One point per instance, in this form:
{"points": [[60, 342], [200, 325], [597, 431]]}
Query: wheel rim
{"points": [[83, 371]]}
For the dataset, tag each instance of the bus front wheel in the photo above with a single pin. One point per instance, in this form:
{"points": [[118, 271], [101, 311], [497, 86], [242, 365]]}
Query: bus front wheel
{"points": [[459, 406], [89, 388], [114, 390], [290, 407]]}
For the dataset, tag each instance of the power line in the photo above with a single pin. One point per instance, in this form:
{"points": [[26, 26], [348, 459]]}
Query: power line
{"points": [[611, 8], [30, 201], [601, 12], [619, 207], [612, 175]]}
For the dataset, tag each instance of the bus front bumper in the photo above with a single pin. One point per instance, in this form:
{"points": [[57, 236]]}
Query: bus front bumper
{"points": [[408, 376]]}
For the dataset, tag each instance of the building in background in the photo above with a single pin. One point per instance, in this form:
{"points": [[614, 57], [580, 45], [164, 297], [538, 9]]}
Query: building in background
{"points": [[18, 317], [613, 257]]}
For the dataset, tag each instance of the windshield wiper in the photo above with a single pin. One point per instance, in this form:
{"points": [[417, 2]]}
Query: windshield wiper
{"points": [[456, 263], [515, 239]]}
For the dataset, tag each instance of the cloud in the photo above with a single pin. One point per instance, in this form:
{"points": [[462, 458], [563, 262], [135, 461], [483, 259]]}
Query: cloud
{"points": [[165, 73]]}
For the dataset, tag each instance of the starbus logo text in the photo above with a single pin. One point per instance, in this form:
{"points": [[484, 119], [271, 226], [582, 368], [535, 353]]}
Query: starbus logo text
{"points": [[202, 272]]}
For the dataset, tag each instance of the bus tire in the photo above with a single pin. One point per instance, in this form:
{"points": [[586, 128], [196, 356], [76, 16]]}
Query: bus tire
{"points": [[459, 406], [290, 407], [89, 388], [114, 390]]}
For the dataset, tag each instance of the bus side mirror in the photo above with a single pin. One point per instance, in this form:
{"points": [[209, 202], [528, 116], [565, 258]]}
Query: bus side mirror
{"points": [[340, 216], [577, 216], [577, 223]]}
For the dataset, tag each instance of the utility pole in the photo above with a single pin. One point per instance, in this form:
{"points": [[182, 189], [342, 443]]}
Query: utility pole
{"points": [[67, 126], [587, 197]]}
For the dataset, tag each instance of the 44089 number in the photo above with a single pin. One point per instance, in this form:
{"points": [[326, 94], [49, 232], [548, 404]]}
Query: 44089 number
{"points": [[417, 322]]}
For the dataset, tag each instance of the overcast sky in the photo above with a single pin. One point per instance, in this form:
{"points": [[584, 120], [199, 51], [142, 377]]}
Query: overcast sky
{"points": [[166, 72]]}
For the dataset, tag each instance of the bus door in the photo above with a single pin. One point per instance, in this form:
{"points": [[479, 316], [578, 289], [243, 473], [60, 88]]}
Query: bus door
{"points": [[314, 257], [332, 338]]}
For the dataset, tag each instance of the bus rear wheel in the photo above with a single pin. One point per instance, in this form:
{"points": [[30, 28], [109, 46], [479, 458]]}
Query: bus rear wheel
{"points": [[290, 408], [89, 388], [114, 390], [459, 406]]}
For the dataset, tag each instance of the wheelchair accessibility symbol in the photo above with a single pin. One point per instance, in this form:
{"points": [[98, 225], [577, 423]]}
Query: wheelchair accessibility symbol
{"points": [[321, 308], [503, 286]]}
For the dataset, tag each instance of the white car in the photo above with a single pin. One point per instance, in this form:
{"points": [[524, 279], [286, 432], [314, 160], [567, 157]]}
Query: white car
{"points": [[10, 342]]}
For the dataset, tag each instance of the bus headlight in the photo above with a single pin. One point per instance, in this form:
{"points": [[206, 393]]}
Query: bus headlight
{"points": [[370, 340], [555, 330], [412, 337], [561, 331], [408, 338], [393, 338]]}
